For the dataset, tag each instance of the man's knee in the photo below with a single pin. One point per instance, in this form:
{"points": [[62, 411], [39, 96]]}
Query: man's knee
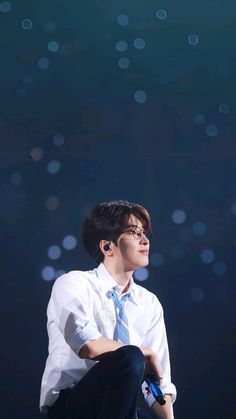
{"points": [[132, 357]]}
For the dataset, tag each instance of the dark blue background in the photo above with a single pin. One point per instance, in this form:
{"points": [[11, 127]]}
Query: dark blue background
{"points": [[159, 153]]}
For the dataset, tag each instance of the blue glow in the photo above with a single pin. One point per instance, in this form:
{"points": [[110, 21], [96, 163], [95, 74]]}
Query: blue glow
{"points": [[121, 46], [27, 24], [53, 46], [53, 167], [122, 20], [48, 273], [199, 119], [69, 242], [140, 96], [211, 130], [5, 6], [43, 63], [197, 295], [123, 63], [139, 43], [193, 39], [219, 268], [178, 216], [161, 14], [52, 203], [224, 108], [54, 252], [199, 228], [157, 259], [36, 153], [207, 256], [141, 274], [58, 140]]}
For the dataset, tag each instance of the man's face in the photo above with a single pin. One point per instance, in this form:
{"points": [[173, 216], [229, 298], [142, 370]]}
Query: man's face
{"points": [[133, 246]]}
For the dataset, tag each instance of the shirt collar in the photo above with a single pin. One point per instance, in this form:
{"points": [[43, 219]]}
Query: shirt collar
{"points": [[107, 282]]}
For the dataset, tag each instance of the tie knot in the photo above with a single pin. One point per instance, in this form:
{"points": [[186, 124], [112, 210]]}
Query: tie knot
{"points": [[120, 302]]}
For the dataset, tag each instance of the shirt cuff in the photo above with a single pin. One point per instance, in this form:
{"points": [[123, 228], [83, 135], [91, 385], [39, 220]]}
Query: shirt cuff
{"points": [[167, 389], [88, 332]]}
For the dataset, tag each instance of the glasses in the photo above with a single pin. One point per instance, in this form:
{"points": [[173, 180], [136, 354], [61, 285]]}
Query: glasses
{"points": [[137, 232]]}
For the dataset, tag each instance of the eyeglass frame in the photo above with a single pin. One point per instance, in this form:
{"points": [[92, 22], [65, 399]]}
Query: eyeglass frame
{"points": [[134, 233]]}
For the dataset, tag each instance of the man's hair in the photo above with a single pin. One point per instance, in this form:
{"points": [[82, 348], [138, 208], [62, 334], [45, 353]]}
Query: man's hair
{"points": [[107, 221]]}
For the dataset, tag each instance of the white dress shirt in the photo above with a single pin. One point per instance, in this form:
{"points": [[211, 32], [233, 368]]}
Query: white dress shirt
{"points": [[79, 310]]}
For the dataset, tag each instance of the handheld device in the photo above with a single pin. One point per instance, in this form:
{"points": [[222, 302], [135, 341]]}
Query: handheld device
{"points": [[155, 389]]}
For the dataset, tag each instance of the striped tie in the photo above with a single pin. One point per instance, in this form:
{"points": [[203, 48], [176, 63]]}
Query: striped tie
{"points": [[121, 332]]}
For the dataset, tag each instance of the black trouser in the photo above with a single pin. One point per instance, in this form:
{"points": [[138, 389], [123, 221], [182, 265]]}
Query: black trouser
{"points": [[108, 391]]}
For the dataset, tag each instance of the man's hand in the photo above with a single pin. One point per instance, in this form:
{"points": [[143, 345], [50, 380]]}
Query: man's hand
{"points": [[153, 365]]}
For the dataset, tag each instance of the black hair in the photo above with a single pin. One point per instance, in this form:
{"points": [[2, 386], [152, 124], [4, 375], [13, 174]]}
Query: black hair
{"points": [[107, 221]]}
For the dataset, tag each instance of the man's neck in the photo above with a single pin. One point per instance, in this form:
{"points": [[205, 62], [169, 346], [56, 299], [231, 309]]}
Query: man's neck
{"points": [[119, 275]]}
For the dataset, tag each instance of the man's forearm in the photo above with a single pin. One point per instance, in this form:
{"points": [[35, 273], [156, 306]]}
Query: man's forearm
{"points": [[164, 411], [94, 349]]}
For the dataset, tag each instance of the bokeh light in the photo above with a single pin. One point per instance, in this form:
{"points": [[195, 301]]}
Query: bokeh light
{"points": [[53, 46], [52, 203], [224, 108], [193, 39], [36, 153], [161, 14], [141, 274], [178, 216], [5, 6], [199, 228], [27, 24], [48, 273], [199, 119], [123, 63], [207, 256], [54, 252], [43, 63], [139, 43], [53, 167], [58, 140], [211, 130], [121, 46], [122, 20], [157, 259], [69, 242], [219, 268], [140, 96]]}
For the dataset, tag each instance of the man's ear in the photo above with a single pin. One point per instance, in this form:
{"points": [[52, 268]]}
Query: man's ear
{"points": [[105, 247]]}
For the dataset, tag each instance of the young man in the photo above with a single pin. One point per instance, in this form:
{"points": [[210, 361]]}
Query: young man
{"points": [[106, 333]]}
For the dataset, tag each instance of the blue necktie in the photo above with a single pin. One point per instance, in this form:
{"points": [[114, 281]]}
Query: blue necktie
{"points": [[121, 332]]}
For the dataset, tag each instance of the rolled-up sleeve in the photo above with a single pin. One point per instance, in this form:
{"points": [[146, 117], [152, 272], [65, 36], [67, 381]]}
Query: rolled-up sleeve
{"points": [[70, 311], [156, 339]]}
